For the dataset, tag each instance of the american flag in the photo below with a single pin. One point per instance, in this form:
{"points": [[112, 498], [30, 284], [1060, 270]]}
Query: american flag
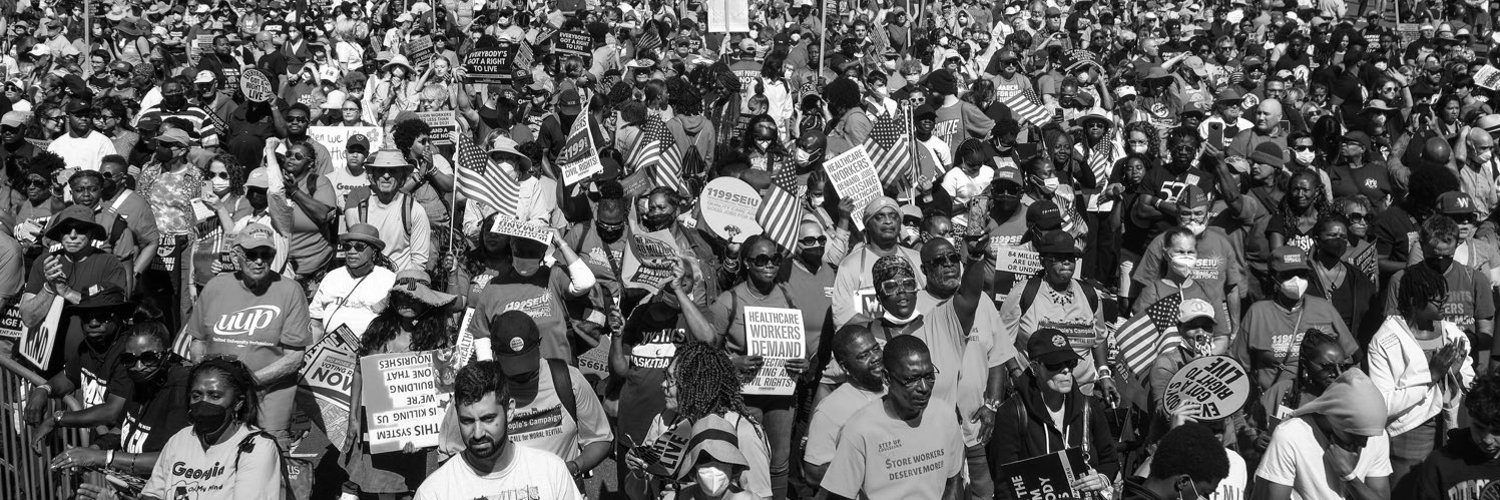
{"points": [[477, 183], [889, 145], [1146, 336], [780, 213], [648, 40], [1026, 106], [657, 151], [1364, 260]]}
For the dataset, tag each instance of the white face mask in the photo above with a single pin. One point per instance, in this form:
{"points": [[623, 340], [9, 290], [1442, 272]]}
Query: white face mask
{"points": [[1293, 288], [1183, 264], [1306, 157], [1197, 227], [507, 167], [803, 157], [1485, 156], [817, 201], [1050, 183], [713, 481], [1139, 149], [219, 184]]}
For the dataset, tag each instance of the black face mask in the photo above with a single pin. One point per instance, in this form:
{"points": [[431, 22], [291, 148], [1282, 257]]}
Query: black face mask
{"points": [[1438, 263], [1335, 246], [658, 222], [610, 235], [163, 154], [258, 201], [1004, 206], [525, 386], [148, 377], [207, 417], [813, 257], [177, 101]]}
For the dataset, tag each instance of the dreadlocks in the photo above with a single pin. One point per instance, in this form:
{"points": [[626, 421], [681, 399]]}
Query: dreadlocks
{"points": [[1419, 285], [707, 382]]}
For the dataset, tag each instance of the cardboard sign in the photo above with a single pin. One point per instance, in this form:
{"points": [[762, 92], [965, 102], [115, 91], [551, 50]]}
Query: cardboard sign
{"points": [[231, 79], [328, 379], [1218, 383], [776, 335], [490, 65], [400, 399], [649, 258], [579, 159], [256, 86], [575, 42], [726, 16], [1046, 477], [729, 206], [595, 361], [443, 124], [853, 177], [1018, 260], [420, 52], [519, 229], [334, 138]]}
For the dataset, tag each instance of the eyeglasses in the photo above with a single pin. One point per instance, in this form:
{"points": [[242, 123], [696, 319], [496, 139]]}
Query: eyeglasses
{"points": [[764, 260], [914, 382], [1006, 188], [36, 182], [1356, 217], [357, 246], [218, 175], [1302, 148], [96, 317], [951, 259], [886, 217], [813, 241], [259, 254], [105, 118], [1469, 219], [56, 118], [1095, 124], [904, 285], [378, 172], [1388, 89], [121, 74], [1331, 368], [10, 130], [86, 189], [147, 358], [296, 119], [296, 157], [1057, 367]]}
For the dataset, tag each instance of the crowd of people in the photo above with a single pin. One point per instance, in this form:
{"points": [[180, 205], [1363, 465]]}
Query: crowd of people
{"points": [[1076, 201]]}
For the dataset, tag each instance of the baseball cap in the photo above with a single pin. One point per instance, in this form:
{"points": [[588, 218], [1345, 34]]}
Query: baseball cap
{"points": [[255, 235], [569, 103], [1192, 309], [515, 343], [1057, 242], [1008, 173], [1455, 203], [13, 119], [1195, 63], [1288, 258], [1193, 196], [1044, 215], [1360, 137], [358, 141], [204, 76], [1049, 346], [258, 178]]}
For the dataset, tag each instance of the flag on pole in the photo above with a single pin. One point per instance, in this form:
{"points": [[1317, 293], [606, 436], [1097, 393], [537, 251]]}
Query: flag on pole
{"points": [[780, 213], [1026, 106], [1146, 336], [889, 145], [476, 182], [657, 151]]}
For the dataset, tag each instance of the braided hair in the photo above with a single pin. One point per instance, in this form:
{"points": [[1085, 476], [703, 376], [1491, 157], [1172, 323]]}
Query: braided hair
{"points": [[237, 375], [1313, 341], [707, 382], [1419, 285]]}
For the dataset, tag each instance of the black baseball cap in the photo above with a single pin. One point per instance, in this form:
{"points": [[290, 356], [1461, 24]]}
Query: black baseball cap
{"points": [[514, 342], [1049, 346]]}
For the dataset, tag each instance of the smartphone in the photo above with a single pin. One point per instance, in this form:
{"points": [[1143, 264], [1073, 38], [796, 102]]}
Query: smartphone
{"points": [[1216, 134], [1286, 126], [1058, 115]]}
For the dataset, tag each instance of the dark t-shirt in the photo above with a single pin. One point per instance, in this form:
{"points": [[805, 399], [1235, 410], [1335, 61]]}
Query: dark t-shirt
{"points": [[1162, 183], [1394, 232], [1371, 180], [155, 412], [652, 334], [98, 375]]}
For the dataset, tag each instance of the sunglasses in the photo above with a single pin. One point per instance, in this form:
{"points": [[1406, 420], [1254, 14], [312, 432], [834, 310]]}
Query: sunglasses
{"points": [[296, 157], [904, 285], [1302, 148], [1094, 124], [358, 246], [265, 254], [1057, 367], [147, 358], [1356, 217], [36, 182], [764, 260], [813, 241], [951, 259], [218, 175]]}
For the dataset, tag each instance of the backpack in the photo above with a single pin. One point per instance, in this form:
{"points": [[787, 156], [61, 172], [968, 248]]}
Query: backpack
{"points": [[406, 202], [694, 165], [560, 373], [248, 445], [1033, 285]]}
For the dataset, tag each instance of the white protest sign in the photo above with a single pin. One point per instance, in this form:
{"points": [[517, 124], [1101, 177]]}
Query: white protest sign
{"points": [[725, 16], [1218, 383], [443, 124], [578, 158], [729, 206], [776, 335], [329, 379], [514, 227], [1017, 260], [335, 139], [256, 86], [36, 346], [853, 176], [400, 397]]}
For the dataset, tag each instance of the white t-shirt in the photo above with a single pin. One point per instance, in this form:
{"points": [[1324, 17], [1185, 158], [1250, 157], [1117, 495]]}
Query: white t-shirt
{"points": [[544, 424], [829, 418], [186, 470], [342, 299], [531, 473], [1294, 458], [964, 188], [349, 186], [83, 153]]}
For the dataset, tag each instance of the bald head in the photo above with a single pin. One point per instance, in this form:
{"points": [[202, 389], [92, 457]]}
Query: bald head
{"points": [[1479, 137], [1267, 116], [1437, 151]]}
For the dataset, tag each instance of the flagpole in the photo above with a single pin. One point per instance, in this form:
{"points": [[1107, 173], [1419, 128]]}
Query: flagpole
{"points": [[911, 143], [453, 214]]}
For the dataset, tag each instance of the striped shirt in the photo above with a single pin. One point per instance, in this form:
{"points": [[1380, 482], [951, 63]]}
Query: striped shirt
{"points": [[193, 114]]}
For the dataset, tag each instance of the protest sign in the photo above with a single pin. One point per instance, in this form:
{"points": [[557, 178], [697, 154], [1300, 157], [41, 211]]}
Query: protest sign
{"points": [[853, 177], [36, 345], [231, 79], [399, 393], [1046, 477], [11, 326], [595, 361], [728, 16], [490, 65], [520, 229], [575, 42], [729, 206], [334, 138], [579, 159], [649, 258], [198, 45], [1218, 383], [776, 335], [1488, 77], [420, 51], [443, 124], [328, 379], [256, 86], [571, 5], [1018, 260]]}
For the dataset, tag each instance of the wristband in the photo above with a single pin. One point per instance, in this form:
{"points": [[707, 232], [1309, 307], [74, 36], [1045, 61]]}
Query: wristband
{"points": [[993, 405], [47, 388], [109, 458], [1351, 477], [57, 417], [1106, 372]]}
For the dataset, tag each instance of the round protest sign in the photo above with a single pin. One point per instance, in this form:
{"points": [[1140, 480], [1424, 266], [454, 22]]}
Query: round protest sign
{"points": [[256, 86], [1218, 383], [729, 206]]}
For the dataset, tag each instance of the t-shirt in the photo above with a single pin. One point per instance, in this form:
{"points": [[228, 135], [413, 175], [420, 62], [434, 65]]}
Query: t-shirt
{"points": [[545, 425], [1218, 267], [1395, 233], [651, 333], [1267, 326], [1232, 487], [350, 188], [828, 420], [539, 296], [1460, 470], [185, 470], [1068, 313], [310, 249], [1468, 298], [1295, 458], [880, 457], [342, 299], [966, 357], [256, 329], [960, 121], [87, 269], [531, 473], [153, 414], [407, 236]]}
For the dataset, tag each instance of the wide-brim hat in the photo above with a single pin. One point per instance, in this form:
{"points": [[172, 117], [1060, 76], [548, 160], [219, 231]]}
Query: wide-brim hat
{"points": [[74, 216], [506, 145], [398, 60], [417, 284], [714, 437], [366, 233], [103, 298], [388, 158]]}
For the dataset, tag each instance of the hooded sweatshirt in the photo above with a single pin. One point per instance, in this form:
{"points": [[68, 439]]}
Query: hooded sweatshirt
{"points": [[694, 129], [1024, 429]]}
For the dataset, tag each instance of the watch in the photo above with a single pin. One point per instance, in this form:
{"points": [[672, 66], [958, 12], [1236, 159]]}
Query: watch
{"points": [[993, 405], [57, 417]]}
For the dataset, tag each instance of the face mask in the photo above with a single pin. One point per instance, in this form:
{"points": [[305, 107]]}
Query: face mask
{"points": [[207, 417], [1183, 264], [175, 101], [1335, 247], [1484, 156], [1306, 157], [610, 236], [1293, 288], [659, 222], [1050, 183], [147, 376], [812, 256], [1197, 227], [1139, 149], [1438, 263], [713, 481], [1004, 206], [163, 155], [219, 184], [803, 157], [817, 201], [908, 234], [1197, 349], [507, 167]]}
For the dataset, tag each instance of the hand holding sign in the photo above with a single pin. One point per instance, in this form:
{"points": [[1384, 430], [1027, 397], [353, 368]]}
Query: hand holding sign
{"points": [[256, 86]]}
